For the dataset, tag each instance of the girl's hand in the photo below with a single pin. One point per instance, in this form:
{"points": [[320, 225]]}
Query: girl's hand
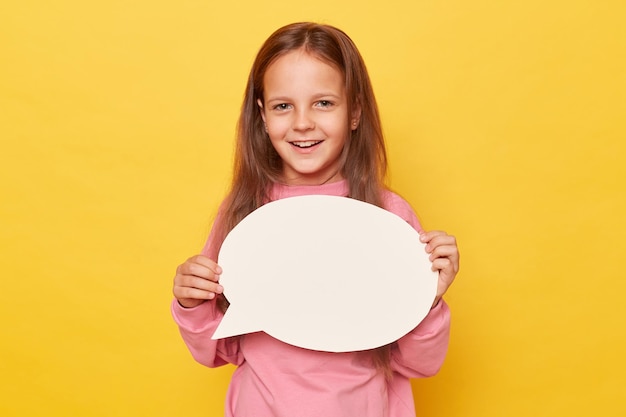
{"points": [[196, 281], [444, 254]]}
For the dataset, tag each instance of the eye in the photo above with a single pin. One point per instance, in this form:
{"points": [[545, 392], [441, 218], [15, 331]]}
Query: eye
{"points": [[324, 103], [282, 106]]}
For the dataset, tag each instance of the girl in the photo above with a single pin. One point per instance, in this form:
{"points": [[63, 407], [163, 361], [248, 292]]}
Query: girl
{"points": [[309, 124]]}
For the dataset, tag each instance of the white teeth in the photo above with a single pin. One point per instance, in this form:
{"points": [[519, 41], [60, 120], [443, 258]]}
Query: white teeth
{"points": [[306, 144]]}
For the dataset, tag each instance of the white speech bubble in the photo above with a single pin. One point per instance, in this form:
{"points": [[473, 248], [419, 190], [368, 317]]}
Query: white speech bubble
{"points": [[325, 273]]}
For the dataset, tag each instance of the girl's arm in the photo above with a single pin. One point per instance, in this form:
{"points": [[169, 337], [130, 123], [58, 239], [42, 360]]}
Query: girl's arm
{"points": [[197, 325], [444, 255], [422, 351], [195, 310]]}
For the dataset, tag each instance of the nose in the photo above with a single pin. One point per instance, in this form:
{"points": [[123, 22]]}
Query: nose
{"points": [[303, 120]]}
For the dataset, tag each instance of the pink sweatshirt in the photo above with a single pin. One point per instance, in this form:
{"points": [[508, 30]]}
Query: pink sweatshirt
{"points": [[275, 379]]}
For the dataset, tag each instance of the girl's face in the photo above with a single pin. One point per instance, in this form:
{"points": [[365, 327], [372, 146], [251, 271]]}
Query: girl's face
{"points": [[306, 116]]}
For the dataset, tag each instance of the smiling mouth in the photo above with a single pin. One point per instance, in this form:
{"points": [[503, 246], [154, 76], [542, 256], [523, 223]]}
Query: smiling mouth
{"points": [[306, 144]]}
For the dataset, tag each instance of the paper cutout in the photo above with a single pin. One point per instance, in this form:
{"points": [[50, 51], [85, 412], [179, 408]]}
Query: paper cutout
{"points": [[325, 273]]}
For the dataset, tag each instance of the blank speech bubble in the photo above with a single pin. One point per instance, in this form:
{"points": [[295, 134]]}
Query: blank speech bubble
{"points": [[325, 273]]}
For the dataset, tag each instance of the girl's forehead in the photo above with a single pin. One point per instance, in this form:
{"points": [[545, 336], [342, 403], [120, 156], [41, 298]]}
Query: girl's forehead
{"points": [[301, 73], [301, 56]]}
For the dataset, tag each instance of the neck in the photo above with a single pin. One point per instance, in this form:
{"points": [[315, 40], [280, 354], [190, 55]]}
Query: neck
{"points": [[303, 180]]}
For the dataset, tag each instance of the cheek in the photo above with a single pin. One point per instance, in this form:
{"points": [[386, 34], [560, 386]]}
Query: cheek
{"points": [[340, 131], [276, 134], [276, 127], [338, 125]]}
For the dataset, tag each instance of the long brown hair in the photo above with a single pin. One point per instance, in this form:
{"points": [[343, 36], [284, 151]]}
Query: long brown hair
{"points": [[257, 165]]}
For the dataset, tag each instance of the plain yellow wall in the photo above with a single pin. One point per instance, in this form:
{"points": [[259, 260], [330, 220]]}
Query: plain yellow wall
{"points": [[505, 126]]}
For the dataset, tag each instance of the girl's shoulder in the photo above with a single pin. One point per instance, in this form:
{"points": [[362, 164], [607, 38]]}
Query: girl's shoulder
{"points": [[396, 204]]}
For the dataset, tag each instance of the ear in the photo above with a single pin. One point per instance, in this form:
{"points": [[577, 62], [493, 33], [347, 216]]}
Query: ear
{"points": [[355, 117], [261, 109]]}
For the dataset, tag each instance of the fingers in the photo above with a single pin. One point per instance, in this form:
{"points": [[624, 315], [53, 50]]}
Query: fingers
{"points": [[445, 267], [441, 245], [200, 266], [443, 251], [197, 280], [193, 287], [444, 255], [436, 238]]}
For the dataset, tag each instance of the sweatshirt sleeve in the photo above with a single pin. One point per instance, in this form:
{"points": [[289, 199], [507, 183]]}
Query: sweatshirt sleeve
{"points": [[197, 325], [422, 351]]}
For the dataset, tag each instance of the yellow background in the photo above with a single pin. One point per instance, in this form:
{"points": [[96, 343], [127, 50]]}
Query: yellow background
{"points": [[505, 126]]}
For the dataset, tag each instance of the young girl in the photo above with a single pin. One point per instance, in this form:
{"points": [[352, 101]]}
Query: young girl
{"points": [[309, 124]]}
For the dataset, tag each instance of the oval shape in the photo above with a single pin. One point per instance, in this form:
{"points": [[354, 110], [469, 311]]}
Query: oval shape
{"points": [[325, 273]]}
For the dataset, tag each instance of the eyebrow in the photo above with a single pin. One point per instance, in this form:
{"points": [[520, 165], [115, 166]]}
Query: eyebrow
{"points": [[314, 97]]}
